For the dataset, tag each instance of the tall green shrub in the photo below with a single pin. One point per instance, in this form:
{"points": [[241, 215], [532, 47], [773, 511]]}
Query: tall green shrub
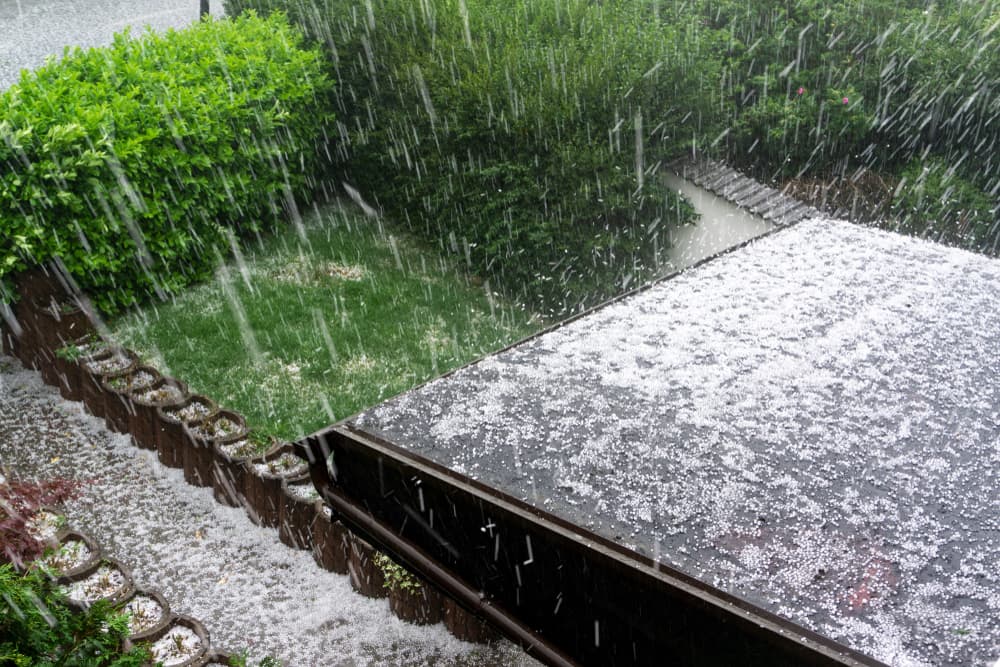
{"points": [[923, 83], [522, 134], [933, 201], [804, 131], [132, 163]]}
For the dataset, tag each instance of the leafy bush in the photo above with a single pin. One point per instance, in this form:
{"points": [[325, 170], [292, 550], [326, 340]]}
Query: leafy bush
{"points": [[922, 79], [503, 128], [793, 135], [933, 201], [132, 163], [38, 629], [522, 135]]}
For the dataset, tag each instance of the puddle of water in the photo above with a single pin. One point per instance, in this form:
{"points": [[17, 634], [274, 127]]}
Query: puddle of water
{"points": [[722, 225]]}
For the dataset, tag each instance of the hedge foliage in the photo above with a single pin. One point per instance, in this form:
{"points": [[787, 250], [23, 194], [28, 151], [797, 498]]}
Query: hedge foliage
{"points": [[38, 628], [922, 84], [523, 135], [132, 163]]}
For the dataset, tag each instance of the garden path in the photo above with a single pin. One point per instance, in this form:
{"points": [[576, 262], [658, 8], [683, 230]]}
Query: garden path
{"points": [[211, 562]]}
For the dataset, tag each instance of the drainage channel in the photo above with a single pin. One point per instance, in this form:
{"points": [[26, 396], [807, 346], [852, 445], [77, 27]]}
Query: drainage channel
{"points": [[721, 224], [732, 209]]}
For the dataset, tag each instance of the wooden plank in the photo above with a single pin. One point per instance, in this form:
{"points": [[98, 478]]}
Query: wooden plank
{"points": [[798, 215], [775, 200], [749, 194], [770, 204], [743, 194], [784, 217], [781, 209], [763, 194], [717, 184], [710, 174], [737, 187]]}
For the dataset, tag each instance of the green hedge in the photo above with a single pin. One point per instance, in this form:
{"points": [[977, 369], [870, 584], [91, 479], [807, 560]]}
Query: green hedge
{"points": [[133, 163], [513, 132], [933, 201], [922, 80]]}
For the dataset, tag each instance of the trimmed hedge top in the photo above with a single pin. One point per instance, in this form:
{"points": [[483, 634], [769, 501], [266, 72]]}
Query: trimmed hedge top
{"points": [[132, 163]]}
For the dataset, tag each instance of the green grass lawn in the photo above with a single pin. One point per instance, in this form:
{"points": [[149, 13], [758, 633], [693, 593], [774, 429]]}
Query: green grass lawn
{"points": [[310, 327]]}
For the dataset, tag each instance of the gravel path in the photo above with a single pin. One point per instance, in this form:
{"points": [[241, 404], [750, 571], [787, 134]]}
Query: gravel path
{"points": [[210, 561], [32, 30]]}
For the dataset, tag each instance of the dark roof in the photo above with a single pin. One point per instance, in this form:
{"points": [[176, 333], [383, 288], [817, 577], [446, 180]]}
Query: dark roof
{"points": [[811, 422]]}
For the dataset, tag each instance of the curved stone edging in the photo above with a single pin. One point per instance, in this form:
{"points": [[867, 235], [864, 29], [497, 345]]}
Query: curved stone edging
{"points": [[129, 591], [264, 499]]}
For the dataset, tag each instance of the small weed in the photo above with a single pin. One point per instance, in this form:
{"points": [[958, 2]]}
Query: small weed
{"points": [[70, 352], [396, 576]]}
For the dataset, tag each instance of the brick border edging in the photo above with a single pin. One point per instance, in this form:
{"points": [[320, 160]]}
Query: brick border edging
{"points": [[34, 351], [129, 591]]}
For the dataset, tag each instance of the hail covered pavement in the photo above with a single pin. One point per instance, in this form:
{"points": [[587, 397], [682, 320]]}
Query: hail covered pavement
{"points": [[33, 30], [811, 422], [211, 562]]}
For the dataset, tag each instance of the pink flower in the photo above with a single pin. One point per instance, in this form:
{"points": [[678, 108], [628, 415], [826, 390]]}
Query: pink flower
{"points": [[801, 90], [845, 100]]}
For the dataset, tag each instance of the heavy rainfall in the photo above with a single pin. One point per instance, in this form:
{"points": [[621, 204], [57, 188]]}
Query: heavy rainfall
{"points": [[504, 310]]}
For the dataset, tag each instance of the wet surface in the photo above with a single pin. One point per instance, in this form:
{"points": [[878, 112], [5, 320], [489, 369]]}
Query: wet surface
{"points": [[811, 422], [32, 30], [721, 225]]}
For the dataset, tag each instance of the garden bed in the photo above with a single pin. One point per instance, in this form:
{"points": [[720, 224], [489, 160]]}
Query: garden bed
{"points": [[215, 449], [60, 596], [302, 332]]}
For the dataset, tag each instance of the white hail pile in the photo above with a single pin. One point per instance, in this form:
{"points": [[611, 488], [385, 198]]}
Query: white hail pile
{"points": [[105, 583], [177, 646], [144, 612], [68, 556]]}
